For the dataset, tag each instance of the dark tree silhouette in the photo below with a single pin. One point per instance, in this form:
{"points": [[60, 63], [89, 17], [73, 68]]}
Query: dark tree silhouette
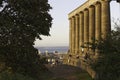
{"points": [[21, 22]]}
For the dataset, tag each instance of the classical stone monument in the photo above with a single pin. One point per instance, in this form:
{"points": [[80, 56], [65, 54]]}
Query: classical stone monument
{"points": [[88, 22]]}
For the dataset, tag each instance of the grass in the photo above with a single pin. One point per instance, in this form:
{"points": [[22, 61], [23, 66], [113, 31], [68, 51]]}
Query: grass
{"points": [[83, 76], [62, 72], [78, 74]]}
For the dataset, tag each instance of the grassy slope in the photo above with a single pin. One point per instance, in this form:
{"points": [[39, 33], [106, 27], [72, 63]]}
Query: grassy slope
{"points": [[65, 72]]}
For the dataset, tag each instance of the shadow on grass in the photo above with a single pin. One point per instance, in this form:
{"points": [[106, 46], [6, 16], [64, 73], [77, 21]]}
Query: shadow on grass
{"points": [[64, 72], [58, 79], [83, 76]]}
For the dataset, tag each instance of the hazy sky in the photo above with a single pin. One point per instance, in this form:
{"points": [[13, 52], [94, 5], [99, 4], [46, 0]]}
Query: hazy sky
{"points": [[60, 27]]}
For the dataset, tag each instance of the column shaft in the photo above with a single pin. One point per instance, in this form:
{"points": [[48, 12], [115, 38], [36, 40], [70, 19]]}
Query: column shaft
{"points": [[97, 25], [105, 19], [70, 35], [91, 28], [91, 24], [98, 21], [77, 33], [73, 35], [86, 28], [81, 29]]}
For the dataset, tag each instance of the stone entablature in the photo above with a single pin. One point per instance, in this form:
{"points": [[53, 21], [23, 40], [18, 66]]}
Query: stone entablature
{"points": [[84, 6]]}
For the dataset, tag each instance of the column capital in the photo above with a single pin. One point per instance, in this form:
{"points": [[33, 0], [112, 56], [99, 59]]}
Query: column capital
{"points": [[86, 9], [102, 1], [91, 6], [81, 12], [77, 15], [70, 18], [98, 2]]}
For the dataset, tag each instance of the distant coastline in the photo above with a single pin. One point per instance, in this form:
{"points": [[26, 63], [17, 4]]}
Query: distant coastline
{"points": [[50, 49]]}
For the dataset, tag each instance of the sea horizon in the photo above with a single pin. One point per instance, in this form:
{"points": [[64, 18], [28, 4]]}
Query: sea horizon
{"points": [[51, 49]]}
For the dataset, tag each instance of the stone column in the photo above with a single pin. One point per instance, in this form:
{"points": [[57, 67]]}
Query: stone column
{"points": [[98, 21], [86, 28], [91, 26], [81, 29], [97, 25], [73, 35], [70, 35], [105, 18], [77, 34]]}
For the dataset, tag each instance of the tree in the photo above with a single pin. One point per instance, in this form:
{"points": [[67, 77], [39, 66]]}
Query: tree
{"points": [[21, 22], [107, 65]]}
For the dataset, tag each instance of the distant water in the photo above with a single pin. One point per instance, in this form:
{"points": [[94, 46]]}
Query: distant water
{"points": [[61, 49]]}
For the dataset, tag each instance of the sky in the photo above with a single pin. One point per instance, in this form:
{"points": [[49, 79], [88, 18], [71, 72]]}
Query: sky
{"points": [[60, 24]]}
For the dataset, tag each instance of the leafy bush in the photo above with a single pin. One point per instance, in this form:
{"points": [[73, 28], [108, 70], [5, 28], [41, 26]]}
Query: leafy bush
{"points": [[107, 65]]}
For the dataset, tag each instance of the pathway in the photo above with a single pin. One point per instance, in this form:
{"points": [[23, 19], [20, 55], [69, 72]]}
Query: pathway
{"points": [[65, 72]]}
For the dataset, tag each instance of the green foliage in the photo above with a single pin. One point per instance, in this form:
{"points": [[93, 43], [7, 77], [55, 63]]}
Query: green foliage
{"points": [[21, 22], [8, 76], [108, 64]]}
